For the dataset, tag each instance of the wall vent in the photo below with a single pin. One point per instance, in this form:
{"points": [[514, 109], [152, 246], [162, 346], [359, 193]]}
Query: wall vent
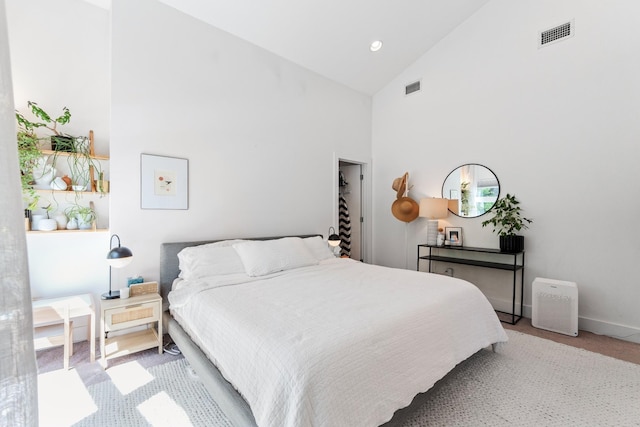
{"points": [[556, 34], [412, 87]]}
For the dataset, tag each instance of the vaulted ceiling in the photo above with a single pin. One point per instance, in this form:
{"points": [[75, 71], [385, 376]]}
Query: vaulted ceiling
{"points": [[332, 37]]}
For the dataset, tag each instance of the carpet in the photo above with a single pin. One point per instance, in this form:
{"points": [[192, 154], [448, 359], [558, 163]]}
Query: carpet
{"points": [[530, 381]]}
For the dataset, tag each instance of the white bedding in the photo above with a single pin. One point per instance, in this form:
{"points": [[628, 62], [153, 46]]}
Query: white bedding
{"points": [[341, 343]]}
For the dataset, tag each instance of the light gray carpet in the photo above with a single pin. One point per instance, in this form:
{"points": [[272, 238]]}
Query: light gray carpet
{"points": [[529, 382]]}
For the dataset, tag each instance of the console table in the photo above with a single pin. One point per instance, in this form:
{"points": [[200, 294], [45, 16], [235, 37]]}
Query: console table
{"points": [[493, 258]]}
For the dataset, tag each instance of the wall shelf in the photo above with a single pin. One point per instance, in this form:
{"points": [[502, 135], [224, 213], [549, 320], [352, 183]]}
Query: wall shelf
{"points": [[44, 190], [97, 230], [85, 171], [68, 153]]}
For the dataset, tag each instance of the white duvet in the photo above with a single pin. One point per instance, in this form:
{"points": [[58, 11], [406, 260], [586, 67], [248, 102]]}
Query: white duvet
{"points": [[341, 343]]}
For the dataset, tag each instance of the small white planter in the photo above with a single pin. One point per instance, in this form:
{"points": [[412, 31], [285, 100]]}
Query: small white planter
{"points": [[47, 224]]}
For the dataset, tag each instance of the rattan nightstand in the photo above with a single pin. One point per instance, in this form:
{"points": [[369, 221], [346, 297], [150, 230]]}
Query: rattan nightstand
{"points": [[121, 314]]}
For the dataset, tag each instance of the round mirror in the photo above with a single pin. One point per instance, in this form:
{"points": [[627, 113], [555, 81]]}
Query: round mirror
{"points": [[472, 190]]}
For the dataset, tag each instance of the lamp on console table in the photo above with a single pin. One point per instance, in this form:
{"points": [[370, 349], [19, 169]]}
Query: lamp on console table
{"points": [[117, 257], [434, 209]]}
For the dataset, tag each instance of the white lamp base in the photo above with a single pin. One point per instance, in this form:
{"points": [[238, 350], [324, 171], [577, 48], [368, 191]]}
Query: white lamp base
{"points": [[432, 232]]}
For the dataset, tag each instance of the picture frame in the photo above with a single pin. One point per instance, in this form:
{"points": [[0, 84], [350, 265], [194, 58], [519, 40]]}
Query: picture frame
{"points": [[453, 236], [164, 182]]}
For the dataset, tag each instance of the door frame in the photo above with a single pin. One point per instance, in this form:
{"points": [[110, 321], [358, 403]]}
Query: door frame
{"points": [[366, 225]]}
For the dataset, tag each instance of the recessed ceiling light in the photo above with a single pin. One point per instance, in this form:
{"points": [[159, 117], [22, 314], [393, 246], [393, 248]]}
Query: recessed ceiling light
{"points": [[376, 46]]}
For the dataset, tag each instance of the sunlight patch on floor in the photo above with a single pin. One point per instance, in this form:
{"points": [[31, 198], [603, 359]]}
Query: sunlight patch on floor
{"points": [[63, 399], [161, 410], [129, 377]]}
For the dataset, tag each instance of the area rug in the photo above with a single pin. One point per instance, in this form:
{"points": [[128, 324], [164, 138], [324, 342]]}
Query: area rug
{"points": [[530, 381]]}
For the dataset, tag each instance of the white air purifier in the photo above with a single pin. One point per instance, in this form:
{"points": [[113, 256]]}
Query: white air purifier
{"points": [[555, 306]]}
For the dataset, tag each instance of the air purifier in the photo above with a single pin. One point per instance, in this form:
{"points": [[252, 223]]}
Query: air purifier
{"points": [[555, 306]]}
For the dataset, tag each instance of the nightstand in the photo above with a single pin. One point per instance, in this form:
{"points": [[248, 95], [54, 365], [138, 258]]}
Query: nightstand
{"points": [[125, 313]]}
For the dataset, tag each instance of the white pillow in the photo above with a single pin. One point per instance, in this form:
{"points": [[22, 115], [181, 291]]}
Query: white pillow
{"points": [[319, 248], [193, 254], [221, 243], [211, 259], [262, 257]]}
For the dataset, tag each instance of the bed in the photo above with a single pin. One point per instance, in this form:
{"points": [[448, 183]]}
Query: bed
{"points": [[284, 334]]}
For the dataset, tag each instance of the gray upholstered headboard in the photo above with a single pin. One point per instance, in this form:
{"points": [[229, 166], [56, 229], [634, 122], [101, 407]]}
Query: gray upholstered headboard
{"points": [[169, 268]]}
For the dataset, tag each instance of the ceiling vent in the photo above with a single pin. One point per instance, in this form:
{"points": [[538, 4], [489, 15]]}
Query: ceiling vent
{"points": [[556, 34], [412, 87]]}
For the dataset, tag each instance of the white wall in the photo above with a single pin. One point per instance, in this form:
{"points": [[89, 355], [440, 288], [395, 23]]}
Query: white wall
{"points": [[60, 57], [259, 133], [558, 126]]}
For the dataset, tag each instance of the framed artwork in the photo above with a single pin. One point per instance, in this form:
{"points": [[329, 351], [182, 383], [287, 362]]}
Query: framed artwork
{"points": [[164, 182], [453, 235]]}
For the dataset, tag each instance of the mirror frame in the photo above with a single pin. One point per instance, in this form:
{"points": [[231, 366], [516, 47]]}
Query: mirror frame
{"points": [[457, 169]]}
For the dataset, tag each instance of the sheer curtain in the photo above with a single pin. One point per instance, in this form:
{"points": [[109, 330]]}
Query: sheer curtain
{"points": [[18, 374]]}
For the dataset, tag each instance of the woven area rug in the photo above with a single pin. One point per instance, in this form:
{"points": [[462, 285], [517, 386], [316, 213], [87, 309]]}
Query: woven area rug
{"points": [[529, 382]]}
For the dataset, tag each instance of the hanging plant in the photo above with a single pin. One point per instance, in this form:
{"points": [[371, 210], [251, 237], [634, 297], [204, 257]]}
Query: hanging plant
{"points": [[28, 155], [83, 215]]}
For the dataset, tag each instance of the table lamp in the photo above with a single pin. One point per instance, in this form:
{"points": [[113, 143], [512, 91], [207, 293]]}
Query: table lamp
{"points": [[434, 209], [334, 239], [117, 257]]}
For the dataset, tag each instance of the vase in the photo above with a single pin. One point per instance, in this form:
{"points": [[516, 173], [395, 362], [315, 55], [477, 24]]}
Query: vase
{"points": [[81, 145], [44, 176], [61, 220], [35, 222], [511, 244], [84, 222], [47, 224], [58, 184]]}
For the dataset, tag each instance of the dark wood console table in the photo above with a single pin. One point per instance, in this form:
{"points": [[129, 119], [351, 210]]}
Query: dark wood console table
{"points": [[510, 261]]}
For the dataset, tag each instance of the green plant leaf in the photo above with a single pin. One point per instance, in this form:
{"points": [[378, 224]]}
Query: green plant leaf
{"points": [[507, 218]]}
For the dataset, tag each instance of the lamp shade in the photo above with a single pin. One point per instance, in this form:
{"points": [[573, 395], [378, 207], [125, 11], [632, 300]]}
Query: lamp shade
{"points": [[453, 206], [119, 256], [434, 208], [334, 239]]}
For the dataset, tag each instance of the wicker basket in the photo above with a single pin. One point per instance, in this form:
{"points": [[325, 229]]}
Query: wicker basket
{"points": [[143, 288]]}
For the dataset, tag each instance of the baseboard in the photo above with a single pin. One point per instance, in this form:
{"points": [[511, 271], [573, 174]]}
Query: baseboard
{"points": [[614, 330], [505, 306], [598, 327]]}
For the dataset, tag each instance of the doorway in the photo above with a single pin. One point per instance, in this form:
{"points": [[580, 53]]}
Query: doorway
{"points": [[350, 209]]}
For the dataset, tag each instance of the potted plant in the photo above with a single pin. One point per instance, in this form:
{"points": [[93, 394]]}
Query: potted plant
{"points": [[507, 221], [59, 141], [48, 223], [83, 215]]}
